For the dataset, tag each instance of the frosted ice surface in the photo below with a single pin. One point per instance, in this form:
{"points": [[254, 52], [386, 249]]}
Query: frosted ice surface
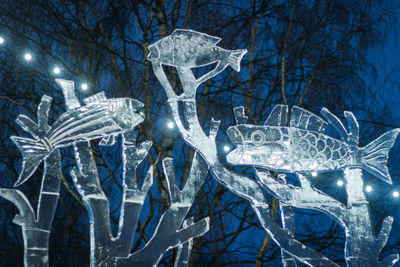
{"points": [[295, 144], [302, 146], [99, 118], [187, 49], [36, 226]]}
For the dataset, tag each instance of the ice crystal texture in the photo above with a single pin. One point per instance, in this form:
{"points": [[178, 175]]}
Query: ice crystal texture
{"points": [[101, 118], [295, 144], [36, 226]]}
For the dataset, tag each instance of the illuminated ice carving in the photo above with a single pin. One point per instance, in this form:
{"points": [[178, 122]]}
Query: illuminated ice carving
{"points": [[362, 246], [36, 226], [189, 49], [302, 147], [101, 118], [109, 250]]}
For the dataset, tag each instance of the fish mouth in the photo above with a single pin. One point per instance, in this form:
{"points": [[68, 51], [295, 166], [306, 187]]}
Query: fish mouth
{"points": [[154, 53], [139, 112], [235, 156], [128, 113]]}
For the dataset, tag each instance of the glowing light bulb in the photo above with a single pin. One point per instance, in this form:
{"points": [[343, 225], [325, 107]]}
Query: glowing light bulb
{"points": [[170, 125], [368, 188], [84, 86], [1, 40], [56, 70], [314, 174], [340, 183], [396, 194], [226, 148], [28, 57]]}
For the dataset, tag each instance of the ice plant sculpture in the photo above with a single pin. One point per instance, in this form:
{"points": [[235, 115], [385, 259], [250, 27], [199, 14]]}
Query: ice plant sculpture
{"points": [[109, 250], [104, 119], [36, 226], [296, 146]]}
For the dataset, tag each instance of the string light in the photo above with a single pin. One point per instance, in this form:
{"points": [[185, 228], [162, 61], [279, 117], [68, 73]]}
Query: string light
{"points": [[1, 40], [368, 188], [226, 148], [340, 183], [56, 70], [396, 193], [314, 174], [28, 57], [84, 86], [170, 125]]}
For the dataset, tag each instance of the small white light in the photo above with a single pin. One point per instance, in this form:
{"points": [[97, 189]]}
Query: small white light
{"points": [[84, 86], [56, 70], [170, 125], [226, 148], [340, 183], [28, 56], [314, 174], [396, 193], [1, 40], [368, 188]]}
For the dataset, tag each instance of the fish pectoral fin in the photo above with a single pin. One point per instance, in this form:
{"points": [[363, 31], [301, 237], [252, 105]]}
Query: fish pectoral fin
{"points": [[108, 140]]}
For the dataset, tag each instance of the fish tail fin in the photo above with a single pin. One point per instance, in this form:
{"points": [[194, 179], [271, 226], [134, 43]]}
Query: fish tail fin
{"points": [[34, 152], [375, 155], [235, 57]]}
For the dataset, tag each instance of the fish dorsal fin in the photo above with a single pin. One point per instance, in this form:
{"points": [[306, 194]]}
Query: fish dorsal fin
{"points": [[211, 40], [240, 116], [278, 116], [94, 99], [304, 119]]}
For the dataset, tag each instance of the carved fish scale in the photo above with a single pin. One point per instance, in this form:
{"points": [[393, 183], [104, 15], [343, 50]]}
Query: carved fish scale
{"points": [[315, 151], [303, 147]]}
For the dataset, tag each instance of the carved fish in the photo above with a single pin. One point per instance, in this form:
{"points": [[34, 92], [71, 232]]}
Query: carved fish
{"points": [[190, 49], [99, 118], [302, 147]]}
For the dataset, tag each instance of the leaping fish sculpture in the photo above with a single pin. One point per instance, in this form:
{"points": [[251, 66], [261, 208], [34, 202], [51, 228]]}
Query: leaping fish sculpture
{"points": [[302, 146], [191, 49], [99, 118]]}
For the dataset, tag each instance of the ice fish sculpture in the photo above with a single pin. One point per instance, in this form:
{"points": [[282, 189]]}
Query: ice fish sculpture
{"points": [[191, 49], [302, 146], [99, 118]]}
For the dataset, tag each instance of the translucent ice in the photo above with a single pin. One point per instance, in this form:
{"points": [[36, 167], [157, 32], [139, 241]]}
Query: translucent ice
{"points": [[99, 118], [296, 144], [302, 147], [36, 226], [106, 249]]}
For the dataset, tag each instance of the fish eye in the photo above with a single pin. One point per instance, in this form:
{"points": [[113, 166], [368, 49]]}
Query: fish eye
{"points": [[165, 44], [258, 137]]}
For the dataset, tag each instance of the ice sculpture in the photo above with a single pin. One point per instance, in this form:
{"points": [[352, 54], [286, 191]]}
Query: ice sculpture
{"points": [[276, 147], [302, 147], [109, 250], [36, 226], [99, 118], [189, 49]]}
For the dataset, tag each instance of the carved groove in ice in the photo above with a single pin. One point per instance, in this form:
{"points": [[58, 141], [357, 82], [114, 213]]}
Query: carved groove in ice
{"points": [[36, 226], [107, 249], [299, 147]]}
